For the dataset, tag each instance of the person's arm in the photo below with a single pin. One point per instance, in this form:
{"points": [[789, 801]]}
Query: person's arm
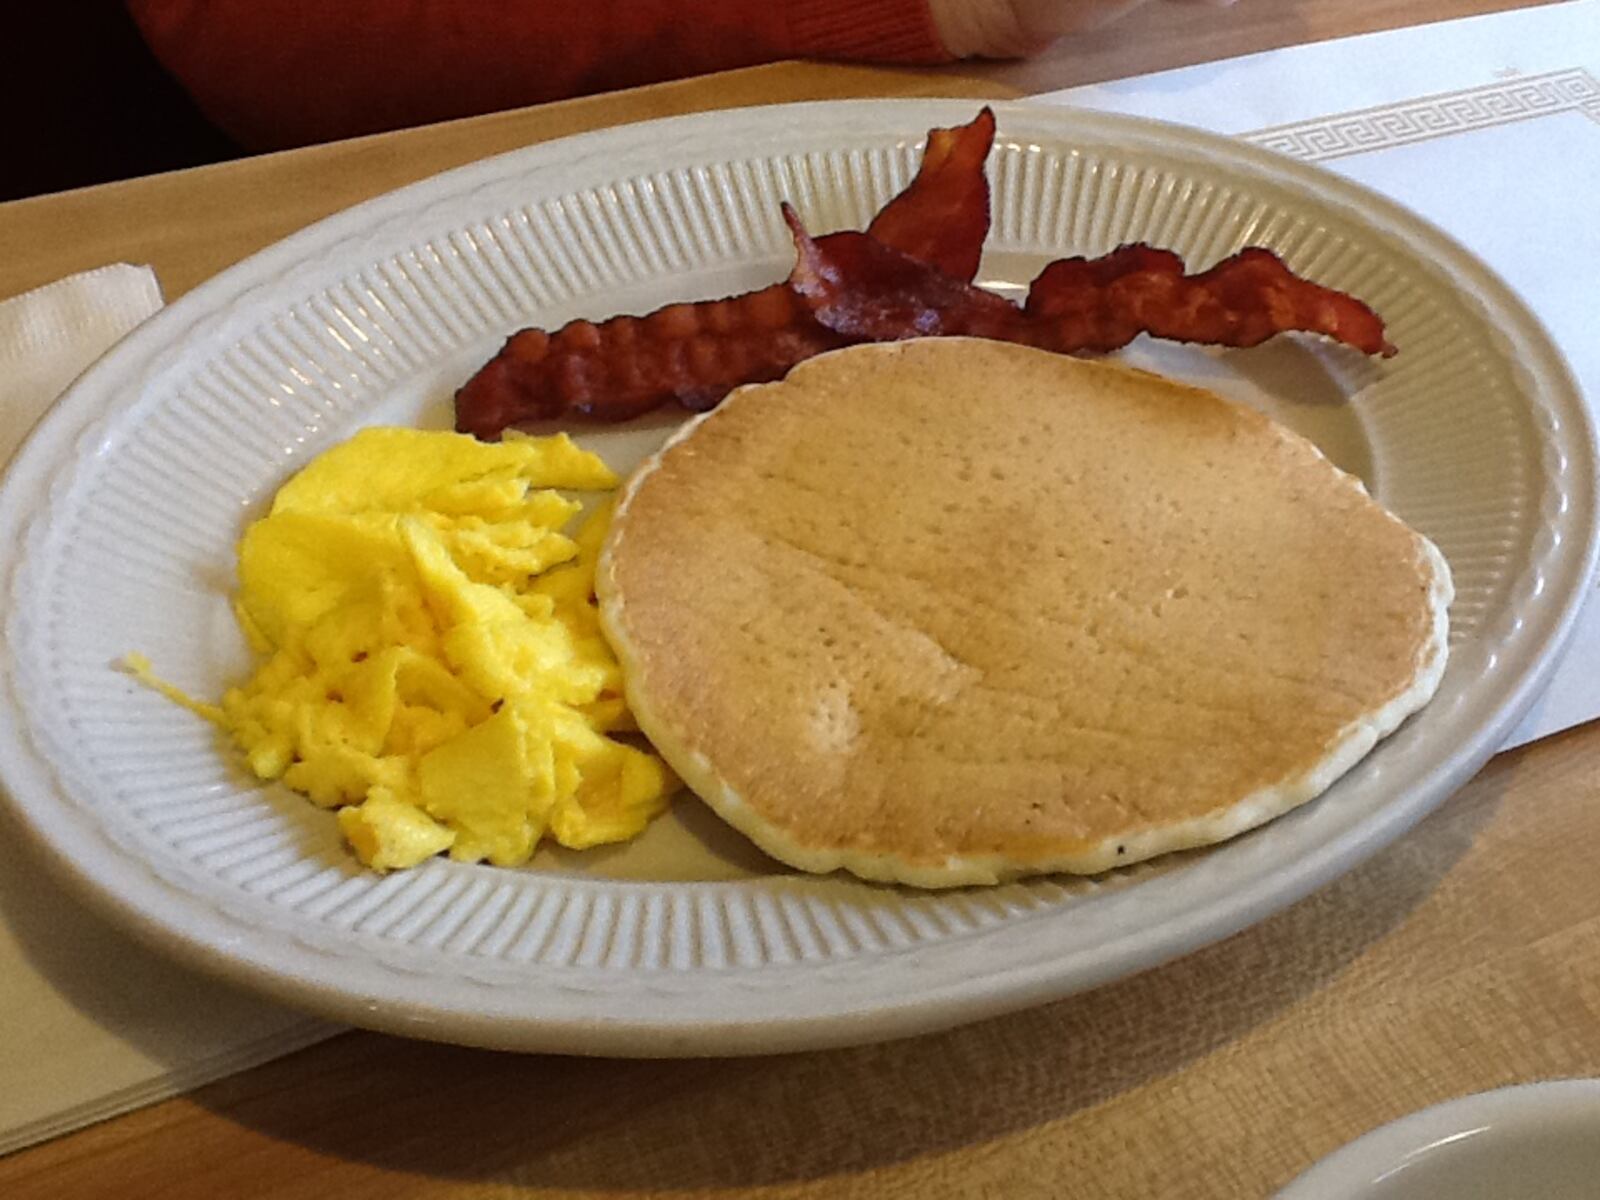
{"points": [[276, 73]]}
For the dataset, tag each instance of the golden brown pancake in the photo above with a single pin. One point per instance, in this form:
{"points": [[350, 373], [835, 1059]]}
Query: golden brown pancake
{"points": [[953, 611]]}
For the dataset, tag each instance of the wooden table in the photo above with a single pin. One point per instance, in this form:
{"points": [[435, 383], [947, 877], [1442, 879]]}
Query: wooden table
{"points": [[1460, 959]]}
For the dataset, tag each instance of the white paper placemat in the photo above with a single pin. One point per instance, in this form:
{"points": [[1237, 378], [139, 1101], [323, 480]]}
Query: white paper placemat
{"points": [[1489, 127]]}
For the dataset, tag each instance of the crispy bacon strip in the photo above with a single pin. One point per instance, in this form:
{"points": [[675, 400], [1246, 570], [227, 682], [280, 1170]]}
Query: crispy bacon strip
{"points": [[695, 354], [942, 217], [865, 291], [1103, 303], [908, 276]]}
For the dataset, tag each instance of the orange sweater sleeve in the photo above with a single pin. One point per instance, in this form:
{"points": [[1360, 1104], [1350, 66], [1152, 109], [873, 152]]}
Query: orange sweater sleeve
{"points": [[276, 73]]}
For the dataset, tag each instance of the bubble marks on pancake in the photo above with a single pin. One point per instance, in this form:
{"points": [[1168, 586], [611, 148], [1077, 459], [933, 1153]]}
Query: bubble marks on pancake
{"points": [[867, 292]]}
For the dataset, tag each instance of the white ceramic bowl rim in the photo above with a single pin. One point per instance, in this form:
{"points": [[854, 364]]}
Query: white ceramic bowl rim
{"points": [[1380, 1155]]}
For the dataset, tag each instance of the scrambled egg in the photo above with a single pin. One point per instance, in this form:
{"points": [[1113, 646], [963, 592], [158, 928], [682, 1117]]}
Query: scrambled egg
{"points": [[434, 667]]}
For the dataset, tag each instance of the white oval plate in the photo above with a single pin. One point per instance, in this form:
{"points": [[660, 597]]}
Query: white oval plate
{"points": [[117, 523], [1535, 1140]]}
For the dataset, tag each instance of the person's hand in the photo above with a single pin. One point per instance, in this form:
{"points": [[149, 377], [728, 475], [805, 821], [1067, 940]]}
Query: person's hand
{"points": [[1015, 28]]}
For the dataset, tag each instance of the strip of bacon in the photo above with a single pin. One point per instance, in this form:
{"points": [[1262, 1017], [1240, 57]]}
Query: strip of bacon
{"points": [[908, 276], [865, 291], [695, 354], [692, 354], [942, 217], [1104, 303]]}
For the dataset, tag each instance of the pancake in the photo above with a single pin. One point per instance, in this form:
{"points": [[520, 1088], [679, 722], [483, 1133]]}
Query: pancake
{"points": [[950, 611]]}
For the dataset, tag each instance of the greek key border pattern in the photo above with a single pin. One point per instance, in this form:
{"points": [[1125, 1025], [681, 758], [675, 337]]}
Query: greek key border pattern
{"points": [[1518, 99]]}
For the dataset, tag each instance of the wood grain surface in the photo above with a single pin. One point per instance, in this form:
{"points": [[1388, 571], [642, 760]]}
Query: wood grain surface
{"points": [[1462, 958]]}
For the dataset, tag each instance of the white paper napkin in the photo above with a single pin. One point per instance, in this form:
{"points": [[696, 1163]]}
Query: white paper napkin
{"points": [[49, 335], [1488, 126], [94, 1024]]}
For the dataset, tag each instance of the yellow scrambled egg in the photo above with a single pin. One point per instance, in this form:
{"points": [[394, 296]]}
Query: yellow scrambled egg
{"points": [[433, 665]]}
